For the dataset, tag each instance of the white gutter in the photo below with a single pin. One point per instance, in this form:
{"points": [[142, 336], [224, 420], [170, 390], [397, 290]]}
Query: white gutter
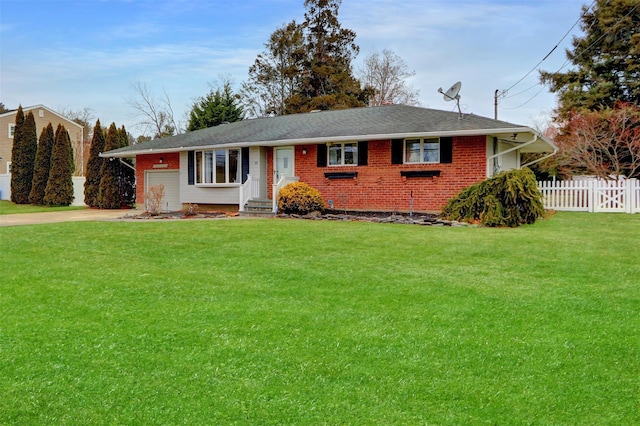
{"points": [[127, 164]]}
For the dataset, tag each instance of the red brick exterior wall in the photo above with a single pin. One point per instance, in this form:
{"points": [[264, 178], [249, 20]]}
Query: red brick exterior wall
{"points": [[379, 185], [146, 162]]}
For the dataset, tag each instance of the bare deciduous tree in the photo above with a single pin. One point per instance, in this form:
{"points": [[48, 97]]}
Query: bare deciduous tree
{"points": [[81, 149], [387, 73], [603, 143], [155, 116]]}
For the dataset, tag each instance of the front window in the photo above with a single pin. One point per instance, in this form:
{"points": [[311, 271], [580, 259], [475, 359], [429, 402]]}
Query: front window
{"points": [[343, 154], [218, 166], [422, 150], [12, 130]]}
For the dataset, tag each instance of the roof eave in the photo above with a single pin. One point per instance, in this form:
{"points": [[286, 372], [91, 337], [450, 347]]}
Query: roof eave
{"points": [[324, 139]]}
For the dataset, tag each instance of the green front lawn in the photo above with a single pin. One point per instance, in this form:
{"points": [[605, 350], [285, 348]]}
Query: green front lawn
{"points": [[7, 207], [312, 322]]}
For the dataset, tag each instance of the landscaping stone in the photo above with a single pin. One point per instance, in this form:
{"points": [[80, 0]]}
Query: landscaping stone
{"points": [[376, 217]]}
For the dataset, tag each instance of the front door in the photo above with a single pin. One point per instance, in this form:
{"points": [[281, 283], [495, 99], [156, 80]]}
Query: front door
{"points": [[284, 162]]}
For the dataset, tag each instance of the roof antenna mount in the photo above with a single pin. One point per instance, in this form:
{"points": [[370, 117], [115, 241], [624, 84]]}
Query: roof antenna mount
{"points": [[453, 94]]}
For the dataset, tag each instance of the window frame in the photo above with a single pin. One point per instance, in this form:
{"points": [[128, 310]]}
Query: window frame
{"points": [[343, 153], [11, 130], [422, 150], [208, 174]]}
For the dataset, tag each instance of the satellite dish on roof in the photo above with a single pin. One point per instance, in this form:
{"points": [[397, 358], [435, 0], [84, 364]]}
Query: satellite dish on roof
{"points": [[453, 94]]}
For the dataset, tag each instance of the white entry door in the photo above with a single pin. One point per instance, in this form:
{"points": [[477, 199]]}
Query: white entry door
{"points": [[284, 162]]}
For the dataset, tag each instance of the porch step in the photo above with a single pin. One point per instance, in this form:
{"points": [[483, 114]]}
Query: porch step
{"points": [[258, 207]]}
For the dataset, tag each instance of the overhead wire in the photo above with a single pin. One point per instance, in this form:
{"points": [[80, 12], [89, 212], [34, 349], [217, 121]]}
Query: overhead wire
{"points": [[585, 50], [548, 54]]}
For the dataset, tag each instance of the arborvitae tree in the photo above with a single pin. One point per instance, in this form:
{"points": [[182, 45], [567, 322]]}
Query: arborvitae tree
{"points": [[43, 166], [109, 191], [94, 165], [59, 191], [16, 154], [23, 156], [127, 175]]}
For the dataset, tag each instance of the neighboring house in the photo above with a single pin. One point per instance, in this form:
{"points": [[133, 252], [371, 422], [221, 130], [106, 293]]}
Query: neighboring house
{"points": [[388, 158], [43, 116]]}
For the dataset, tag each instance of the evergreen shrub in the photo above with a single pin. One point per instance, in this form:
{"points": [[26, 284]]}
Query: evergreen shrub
{"points": [[299, 198], [510, 198], [59, 189]]}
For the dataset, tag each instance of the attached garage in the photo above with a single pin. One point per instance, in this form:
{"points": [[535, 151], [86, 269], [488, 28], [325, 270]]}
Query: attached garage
{"points": [[171, 181]]}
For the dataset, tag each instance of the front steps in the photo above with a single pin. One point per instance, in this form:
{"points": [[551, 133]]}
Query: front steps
{"points": [[258, 207]]}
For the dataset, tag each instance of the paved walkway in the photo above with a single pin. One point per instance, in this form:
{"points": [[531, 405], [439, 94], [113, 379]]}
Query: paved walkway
{"points": [[63, 216]]}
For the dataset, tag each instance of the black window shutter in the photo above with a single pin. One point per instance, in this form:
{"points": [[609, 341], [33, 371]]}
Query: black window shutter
{"points": [[446, 150], [245, 164], [396, 151], [322, 155], [363, 154], [191, 173]]}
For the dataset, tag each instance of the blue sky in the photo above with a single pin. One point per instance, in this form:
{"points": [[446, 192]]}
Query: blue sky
{"points": [[76, 54]]}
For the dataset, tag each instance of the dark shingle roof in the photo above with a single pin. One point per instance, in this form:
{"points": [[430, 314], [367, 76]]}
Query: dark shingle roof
{"points": [[347, 124]]}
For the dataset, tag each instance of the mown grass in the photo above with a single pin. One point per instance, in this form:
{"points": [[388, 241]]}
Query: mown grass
{"points": [[7, 207], [294, 322]]}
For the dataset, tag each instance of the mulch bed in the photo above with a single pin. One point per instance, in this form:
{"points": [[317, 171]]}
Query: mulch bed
{"points": [[376, 217]]}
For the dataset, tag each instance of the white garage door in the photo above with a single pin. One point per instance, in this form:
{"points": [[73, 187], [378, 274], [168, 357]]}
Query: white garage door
{"points": [[171, 182]]}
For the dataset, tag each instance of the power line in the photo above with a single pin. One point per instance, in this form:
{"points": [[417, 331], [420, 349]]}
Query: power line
{"points": [[585, 50], [504, 92]]}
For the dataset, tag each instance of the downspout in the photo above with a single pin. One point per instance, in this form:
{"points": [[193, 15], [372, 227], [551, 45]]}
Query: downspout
{"points": [[515, 148], [555, 151], [127, 164]]}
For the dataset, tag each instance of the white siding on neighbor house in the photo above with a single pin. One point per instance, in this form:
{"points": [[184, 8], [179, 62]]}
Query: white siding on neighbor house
{"points": [[196, 194], [171, 181], [5, 187], [78, 189]]}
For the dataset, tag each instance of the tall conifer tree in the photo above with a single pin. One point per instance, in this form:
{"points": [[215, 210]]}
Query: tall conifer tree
{"points": [[606, 60], [59, 190], [327, 80], [23, 156], [109, 191], [94, 166], [127, 175], [42, 166]]}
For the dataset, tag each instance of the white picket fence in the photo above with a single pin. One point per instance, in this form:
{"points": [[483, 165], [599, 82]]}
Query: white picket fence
{"points": [[592, 195]]}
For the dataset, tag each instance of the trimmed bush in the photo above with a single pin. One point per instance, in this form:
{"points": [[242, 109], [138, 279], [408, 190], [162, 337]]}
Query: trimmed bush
{"points": [[43, 166], [299, 198], [94, 166], [59, 189], [23, 157], [510, 198]]}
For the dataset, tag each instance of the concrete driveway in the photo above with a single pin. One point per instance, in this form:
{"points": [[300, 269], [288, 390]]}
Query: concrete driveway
{"points": [[64, 216]]}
